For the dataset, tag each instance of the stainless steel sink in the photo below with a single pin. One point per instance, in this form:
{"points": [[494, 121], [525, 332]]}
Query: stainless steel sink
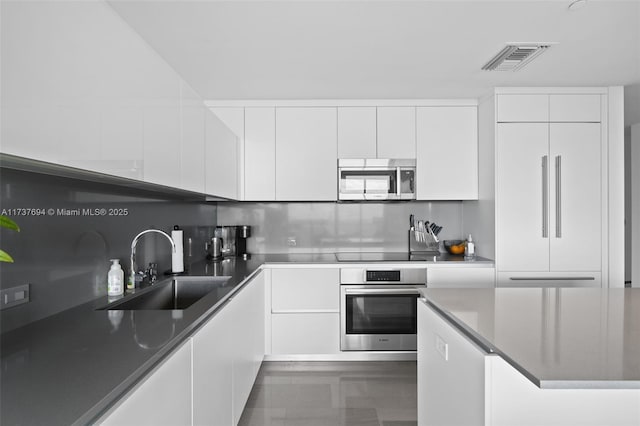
{"points": [[176, 293]]}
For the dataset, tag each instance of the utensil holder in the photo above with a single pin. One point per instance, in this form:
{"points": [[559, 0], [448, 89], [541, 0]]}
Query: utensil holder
{"points": [[422, 243]]}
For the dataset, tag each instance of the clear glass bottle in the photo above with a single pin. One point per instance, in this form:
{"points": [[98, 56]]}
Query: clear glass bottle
{"points": [[470, 249]]}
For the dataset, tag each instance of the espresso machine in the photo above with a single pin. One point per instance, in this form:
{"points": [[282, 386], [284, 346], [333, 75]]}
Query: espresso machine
{"points": [[234, 240]]}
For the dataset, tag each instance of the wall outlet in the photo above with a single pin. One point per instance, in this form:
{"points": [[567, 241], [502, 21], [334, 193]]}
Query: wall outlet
{"points": [[14, 296], [292, 242], [442, 347]]}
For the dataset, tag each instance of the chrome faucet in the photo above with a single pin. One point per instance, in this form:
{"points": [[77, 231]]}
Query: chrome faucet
{"points": [[134, 243]]}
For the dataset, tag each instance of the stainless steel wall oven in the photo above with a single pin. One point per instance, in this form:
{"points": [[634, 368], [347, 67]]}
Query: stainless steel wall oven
{"points": [[378, 308]]}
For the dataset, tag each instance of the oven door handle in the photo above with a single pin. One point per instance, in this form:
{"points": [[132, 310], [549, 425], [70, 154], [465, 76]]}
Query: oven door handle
{"points": [[383, 291]]}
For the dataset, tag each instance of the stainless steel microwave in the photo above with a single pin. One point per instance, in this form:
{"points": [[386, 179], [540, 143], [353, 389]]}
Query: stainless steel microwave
{"points": [[376, 179]]}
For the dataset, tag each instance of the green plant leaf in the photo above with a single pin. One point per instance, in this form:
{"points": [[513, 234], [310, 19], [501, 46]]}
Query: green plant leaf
{"points": [[4, 257], [5, 222]]}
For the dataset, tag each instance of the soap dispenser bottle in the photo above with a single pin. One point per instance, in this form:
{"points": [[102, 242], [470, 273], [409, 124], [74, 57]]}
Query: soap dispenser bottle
{"points": [[115, 279], [470, 249]]}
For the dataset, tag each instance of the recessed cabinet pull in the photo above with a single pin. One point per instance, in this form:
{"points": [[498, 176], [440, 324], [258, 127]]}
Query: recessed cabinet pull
{"points": [[545, 199], [552, 278], [558, 196]]}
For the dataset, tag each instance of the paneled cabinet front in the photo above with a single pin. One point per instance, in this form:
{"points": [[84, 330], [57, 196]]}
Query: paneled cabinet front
{"points": [[221, 156], [227, 353], [549, 189], [306, 154], [447, 153], [305, 306], [164, 398]]}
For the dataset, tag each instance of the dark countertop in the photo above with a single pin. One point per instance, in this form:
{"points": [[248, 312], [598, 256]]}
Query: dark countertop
{"points": [[559, 338], [70, 367]]}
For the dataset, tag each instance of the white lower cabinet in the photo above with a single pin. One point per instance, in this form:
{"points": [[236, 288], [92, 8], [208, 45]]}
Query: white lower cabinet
{"points": [[461, 384], [304, 333], [304, 311], [164, 398], [227, 353], [450, 374], [213, 372], [465, 277]]}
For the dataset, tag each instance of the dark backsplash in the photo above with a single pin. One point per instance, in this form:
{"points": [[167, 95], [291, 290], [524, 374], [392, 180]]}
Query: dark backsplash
{"points": [[64, 252]]}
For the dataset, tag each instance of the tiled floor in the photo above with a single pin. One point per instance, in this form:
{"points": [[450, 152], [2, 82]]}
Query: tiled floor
{"points": [[333, 394]]}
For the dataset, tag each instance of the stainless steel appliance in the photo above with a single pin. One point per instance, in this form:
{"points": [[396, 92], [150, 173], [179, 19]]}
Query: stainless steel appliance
{"points": [[234, 240], [376, 179], [378, 308], [214, 248]]}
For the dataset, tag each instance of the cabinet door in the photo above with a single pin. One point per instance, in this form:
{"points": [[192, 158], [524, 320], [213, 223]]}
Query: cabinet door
{"points": [[247, 313], [464, 277], [581, 108], [192, 164], [213, 371], [221, 155], [164, 398], [576, 201], [305, 290], [309, 334], [522, 242], [357, 132], [259, 154], [522, 108], [450, 374], [396, 132], [306, 154], [447, 153], [162, 146]]}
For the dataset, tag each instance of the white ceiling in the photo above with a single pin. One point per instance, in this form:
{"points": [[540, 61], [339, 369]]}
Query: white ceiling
{"points": [[387, 49]]}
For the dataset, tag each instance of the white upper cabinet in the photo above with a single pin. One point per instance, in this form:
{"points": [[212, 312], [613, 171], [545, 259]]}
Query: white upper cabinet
{"points": [[522, 108], [306, 154], [357, 132], [260, 154], [162, 145], [575, 108], [221, 157], [396, 129], [192, 164], [447, 153], [543, 108]]}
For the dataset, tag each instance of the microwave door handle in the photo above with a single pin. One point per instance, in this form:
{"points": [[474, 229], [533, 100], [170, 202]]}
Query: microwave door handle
{"points": [[398, 181]]}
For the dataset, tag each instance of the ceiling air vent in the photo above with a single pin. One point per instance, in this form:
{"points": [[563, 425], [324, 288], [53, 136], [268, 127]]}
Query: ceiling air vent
{"points": [[514, 56]]}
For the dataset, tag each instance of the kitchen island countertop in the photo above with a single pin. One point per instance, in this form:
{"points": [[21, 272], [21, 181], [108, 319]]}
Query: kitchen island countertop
{"points": [[559, 338]]}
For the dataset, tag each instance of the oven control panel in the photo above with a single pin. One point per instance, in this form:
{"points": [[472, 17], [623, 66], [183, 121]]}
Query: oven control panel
{"points": [[385, 276]]}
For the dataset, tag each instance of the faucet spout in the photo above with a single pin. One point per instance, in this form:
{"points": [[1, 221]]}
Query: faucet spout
{"points": [[134, 243]]}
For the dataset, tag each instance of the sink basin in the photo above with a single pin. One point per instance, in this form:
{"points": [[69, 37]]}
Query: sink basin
{"points": [[176, 293]]}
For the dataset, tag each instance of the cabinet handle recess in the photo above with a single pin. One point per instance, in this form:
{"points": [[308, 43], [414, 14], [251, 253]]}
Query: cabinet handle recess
{"points": [[558, 196], [545, 199], [552, 278]]}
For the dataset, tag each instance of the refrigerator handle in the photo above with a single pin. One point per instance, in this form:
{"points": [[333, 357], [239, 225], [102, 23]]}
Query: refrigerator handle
{"points": [[398, 183], [558, 196], [545, 198]]}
